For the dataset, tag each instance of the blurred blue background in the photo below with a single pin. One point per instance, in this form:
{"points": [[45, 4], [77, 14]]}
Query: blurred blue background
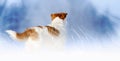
{"points": [[89, 22]]}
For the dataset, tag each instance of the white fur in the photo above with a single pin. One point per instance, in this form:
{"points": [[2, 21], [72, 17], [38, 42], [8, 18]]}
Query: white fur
{"points": [[45, 40], [12, 34]]}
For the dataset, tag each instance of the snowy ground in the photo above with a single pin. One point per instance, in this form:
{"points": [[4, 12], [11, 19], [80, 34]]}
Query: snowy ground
{"points": [[76, 55]]}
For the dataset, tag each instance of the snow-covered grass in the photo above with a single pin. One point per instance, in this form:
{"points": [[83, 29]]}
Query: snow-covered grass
{"points": [[62, 56]]}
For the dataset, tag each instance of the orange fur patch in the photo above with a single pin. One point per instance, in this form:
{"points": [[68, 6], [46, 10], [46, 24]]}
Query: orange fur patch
{"points": [[61, 15], [28, 33], [40, 26], [53, 31]]}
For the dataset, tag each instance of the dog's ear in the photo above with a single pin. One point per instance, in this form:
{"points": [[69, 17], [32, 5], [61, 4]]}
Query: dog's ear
{"points": [[61, 15]]}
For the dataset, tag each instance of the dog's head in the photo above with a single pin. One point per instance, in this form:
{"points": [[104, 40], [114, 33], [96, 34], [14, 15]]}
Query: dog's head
{"points": [[61, 15]]}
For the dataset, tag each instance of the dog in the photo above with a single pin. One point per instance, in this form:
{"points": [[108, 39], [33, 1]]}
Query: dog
{"points": [[52, 36]]}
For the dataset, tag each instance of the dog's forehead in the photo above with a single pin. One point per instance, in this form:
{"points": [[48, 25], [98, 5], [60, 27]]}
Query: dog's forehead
{"points": [[62, 13]]}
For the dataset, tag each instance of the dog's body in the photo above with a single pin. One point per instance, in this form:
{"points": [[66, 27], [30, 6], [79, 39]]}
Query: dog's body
{"points": [[46, 37]]}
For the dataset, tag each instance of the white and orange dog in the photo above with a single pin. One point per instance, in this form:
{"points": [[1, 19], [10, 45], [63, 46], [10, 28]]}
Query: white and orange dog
{"points": [[52, 36]]}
